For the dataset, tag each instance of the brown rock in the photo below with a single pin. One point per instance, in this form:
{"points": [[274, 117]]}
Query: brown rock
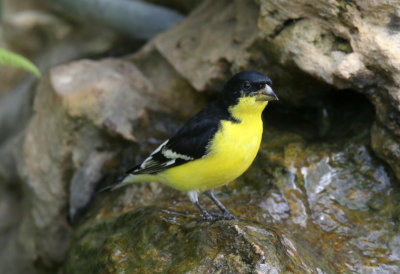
{"points": [[81, 109], [211, 43], [348, 45]]}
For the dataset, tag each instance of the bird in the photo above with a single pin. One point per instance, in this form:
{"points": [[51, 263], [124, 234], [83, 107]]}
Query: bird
{"points": [[214, 147]]}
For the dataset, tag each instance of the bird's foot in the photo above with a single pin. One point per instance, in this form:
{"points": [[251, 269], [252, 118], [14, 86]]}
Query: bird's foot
{"points": [[207, 216], [210, 216], [225, 215]]}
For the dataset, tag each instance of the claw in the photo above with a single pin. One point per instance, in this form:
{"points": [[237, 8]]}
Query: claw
{"points": [[208, 215]]}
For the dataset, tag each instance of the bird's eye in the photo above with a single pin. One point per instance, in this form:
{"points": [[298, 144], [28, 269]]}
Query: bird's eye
{"points": [[246, 85]]}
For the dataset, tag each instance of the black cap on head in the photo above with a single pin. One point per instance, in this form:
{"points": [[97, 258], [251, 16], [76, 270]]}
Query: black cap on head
{"points": [[243, 84]]}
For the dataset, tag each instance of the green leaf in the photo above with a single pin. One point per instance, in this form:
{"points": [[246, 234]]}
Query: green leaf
{"points": [[15, 60]]}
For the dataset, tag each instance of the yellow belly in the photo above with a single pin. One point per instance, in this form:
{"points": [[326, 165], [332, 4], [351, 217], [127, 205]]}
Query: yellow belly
{"points": [[233, 150]]}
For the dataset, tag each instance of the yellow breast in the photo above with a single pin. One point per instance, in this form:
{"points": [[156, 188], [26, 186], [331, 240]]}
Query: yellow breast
{"points": [[231, 152]]}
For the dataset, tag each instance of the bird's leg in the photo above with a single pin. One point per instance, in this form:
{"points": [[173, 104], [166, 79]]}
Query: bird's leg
{"points": [[226, 214], [207, 216], [194, 198]]}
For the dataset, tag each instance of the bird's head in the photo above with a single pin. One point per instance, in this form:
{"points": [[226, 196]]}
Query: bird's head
{"points": [[249, 86]]}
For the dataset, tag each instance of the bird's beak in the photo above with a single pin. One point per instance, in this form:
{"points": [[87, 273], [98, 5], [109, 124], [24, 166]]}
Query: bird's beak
{"points": [[266, 94]]}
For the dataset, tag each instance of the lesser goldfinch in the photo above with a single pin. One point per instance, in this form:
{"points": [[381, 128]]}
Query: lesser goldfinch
{"points": [[215, 146]]}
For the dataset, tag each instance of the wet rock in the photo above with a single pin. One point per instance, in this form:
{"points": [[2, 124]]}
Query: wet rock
{"points": [[339, 199], [386, 145], [306, 205], [155, 240]]}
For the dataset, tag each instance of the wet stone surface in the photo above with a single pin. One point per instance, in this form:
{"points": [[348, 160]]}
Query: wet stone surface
{"points": [[338, 200], [305, 205], [156, 240]]}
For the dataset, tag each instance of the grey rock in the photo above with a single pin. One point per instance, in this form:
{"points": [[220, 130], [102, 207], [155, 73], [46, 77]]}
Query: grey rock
{"points": [[86, 117], [135, 18]]}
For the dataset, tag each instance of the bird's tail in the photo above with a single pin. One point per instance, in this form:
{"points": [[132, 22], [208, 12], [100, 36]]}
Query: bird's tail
{"points": [[129, 179]]}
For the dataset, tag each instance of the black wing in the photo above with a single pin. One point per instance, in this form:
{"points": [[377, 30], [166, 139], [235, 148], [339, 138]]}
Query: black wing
{"points": [[188, 144]]}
